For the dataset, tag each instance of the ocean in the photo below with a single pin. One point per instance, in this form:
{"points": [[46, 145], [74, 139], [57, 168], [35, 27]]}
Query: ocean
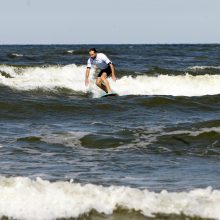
{"points": [[151, 153]]}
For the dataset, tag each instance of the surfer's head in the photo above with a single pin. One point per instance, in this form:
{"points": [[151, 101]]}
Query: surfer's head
{"points": [[92, 53]]}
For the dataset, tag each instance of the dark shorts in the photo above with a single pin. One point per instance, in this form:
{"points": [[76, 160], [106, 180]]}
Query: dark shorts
{"points": [[108, 71]]}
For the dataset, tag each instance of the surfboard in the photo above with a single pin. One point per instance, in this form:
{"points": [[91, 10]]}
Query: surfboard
{"points": [[110, 94]]}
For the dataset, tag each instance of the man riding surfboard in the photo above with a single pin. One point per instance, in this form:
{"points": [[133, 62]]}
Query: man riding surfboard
{"points": [[99, 61]]}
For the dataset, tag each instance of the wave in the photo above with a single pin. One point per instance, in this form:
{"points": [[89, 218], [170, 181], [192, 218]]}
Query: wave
{"points": [[212, 70], [75, 52], [201, 142], [45, 78], [69, 52], [15, 55], [23, 198], [204, 67], [68, 139], [71, 77]]}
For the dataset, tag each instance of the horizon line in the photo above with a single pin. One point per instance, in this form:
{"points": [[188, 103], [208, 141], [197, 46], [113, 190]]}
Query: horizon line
{"points": [[30, 44]]}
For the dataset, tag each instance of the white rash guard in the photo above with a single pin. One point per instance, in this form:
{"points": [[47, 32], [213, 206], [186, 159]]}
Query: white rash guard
{"points": [[100, 62]]}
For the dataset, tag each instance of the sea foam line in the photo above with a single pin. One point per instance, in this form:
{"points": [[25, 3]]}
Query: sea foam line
{"points": [[23, 198], [72, 77]]}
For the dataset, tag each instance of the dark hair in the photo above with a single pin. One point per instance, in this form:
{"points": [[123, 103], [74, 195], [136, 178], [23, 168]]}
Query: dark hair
{"points": [[93, 49]]}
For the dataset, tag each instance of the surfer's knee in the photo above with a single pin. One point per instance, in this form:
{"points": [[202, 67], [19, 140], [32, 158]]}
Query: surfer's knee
{"points": [[98, 82], [103, 77]]}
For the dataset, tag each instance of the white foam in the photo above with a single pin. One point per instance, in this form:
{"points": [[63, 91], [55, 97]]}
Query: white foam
{"points": [[203, 67], [48, 78], [193, 133], [182, 85], [23, 198], [17, 55], [70, 51], [69, 139], [72, 77]]}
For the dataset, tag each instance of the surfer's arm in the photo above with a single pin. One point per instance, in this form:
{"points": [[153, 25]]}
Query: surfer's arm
{"points": [[108, 62], [113, 71], [89, 66], [87, 76]]}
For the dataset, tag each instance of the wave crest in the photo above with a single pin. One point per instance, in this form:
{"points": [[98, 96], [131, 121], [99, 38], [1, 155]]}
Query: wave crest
{"points": [[71, 77], [22, 198]]}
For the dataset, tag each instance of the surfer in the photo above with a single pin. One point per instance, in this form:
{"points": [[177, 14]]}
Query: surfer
{"points": [[100, 62]]}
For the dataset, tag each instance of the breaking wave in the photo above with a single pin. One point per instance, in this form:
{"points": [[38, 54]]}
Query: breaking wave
{"points": [[23, 198], [71, 77]]}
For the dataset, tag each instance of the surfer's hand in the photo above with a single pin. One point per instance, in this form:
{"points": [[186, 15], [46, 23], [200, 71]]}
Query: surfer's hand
{"points": [[86, 81], [114, 78]]}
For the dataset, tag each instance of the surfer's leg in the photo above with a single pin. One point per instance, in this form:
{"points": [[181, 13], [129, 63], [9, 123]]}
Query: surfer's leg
{"points": [[105, 81], [100, 85]]}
